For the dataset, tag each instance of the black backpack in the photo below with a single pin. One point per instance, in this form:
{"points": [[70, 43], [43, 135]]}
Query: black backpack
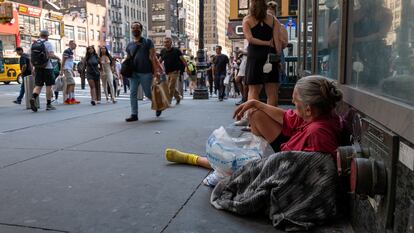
{"points": [[39, 54]]}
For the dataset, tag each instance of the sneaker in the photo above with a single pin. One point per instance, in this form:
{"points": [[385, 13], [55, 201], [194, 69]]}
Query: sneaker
{"points": [[114, 101], [74, 101], [17, 102], [50, 107], [158, 113], [178, 101], [67, 101], [93, 103], [132, 118], [213, 179], [98, 102], [220, 99], [33, 104]]}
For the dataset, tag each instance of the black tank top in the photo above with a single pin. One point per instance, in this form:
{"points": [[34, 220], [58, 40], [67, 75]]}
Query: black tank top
{"points": [[264, 32]]}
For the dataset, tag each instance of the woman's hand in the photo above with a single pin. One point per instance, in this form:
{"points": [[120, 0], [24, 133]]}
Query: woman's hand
{"points": [[240, 111]]}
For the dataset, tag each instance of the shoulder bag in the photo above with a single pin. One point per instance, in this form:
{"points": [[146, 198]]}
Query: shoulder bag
{"points": [[127, 67]]}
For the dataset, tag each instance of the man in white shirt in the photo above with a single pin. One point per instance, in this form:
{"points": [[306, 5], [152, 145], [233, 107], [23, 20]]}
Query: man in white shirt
{"points": [[44, 73], [67, 70]]}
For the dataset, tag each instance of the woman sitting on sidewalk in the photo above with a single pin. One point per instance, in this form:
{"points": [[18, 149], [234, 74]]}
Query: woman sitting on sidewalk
{"points": [[313, 126]]}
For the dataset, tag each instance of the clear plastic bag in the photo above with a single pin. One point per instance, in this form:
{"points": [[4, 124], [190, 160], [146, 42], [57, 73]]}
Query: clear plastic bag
{"points": [[226, 154]]}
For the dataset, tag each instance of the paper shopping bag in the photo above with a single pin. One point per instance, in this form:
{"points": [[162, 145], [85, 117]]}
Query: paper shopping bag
{"points": [[159, 96]]}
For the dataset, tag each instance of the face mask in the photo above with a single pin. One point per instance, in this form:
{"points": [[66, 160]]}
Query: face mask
{"points": [[136, 33]]}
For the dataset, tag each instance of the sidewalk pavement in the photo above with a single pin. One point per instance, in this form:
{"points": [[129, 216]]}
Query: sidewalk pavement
{"points": [[82, 168]]}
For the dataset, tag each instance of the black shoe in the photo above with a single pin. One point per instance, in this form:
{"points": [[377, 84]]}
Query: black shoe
{"points": [[240, 102], [220, 99], [132, 118], [158, 113], [50, 107], [93, 103], [33, 104], [17, 102]]}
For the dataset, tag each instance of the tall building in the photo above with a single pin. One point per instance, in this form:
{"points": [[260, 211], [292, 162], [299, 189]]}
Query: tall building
{"points": [[163, 21], [189, 11], [216, 14], [115, 39], [134, 10]]}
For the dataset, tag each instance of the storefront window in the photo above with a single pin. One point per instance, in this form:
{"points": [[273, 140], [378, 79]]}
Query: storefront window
{"points": [[31, 25], [243, 8], [328, 38], [383, 49], [308, 33]]}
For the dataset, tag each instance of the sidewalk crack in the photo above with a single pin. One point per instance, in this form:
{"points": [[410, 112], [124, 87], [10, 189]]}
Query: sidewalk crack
{"points": [[31, 227], [184, 204]]}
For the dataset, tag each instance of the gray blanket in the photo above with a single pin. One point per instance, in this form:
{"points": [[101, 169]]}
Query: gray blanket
{"points": [[295, 189]]}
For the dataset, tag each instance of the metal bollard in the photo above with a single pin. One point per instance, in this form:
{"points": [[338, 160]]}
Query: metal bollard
{"points": [[28, 90]]}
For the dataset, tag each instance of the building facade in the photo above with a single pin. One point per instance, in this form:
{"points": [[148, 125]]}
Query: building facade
{"points": [[189, 11], [163, 21], [216, 14], [133, 10]]}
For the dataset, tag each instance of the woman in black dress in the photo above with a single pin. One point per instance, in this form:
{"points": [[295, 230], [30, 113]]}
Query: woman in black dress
{"points": [[261, 31], [93, 74]]}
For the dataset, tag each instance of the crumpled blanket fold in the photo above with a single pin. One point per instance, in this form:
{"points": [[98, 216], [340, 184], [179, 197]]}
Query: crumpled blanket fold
{"points": [[297, 190]]}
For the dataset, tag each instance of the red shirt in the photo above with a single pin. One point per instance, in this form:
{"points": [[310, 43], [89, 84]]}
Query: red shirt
{"points": [[320, 135]]}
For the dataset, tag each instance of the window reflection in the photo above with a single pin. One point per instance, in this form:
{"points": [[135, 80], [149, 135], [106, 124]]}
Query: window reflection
{"points": [[382, 48], [328, 38], [308, 32]]}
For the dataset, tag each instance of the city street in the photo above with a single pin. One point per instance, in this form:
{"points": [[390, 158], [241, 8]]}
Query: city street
{"points": [[82, 168]]}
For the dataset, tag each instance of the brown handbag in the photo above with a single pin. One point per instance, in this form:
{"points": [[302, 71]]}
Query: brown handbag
{"points": [[159, 95]]}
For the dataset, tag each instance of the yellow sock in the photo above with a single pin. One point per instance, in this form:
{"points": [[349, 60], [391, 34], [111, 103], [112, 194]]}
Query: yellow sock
{"points": [[177, 156]]}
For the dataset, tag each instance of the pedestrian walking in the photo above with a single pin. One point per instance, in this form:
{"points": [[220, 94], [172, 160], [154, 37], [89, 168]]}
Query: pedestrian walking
{"points": [[262, 32], [107, 70], [81, 70], [117, 77], [41, 53], [25, 69], [146, 64], [56, 72], [210, 75], [173, 60], [240, 79], [220, 64], [192, 74], [67, 71], [91, 62]]}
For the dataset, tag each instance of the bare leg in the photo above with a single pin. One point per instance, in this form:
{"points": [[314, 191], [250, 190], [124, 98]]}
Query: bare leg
{"points": [[254, 92], [203, 162], [272, 92], [262, 125], [92, 89]]}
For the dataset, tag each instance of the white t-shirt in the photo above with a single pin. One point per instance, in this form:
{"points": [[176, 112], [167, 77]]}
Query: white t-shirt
{"points": [[49, 48], [68, 54]]}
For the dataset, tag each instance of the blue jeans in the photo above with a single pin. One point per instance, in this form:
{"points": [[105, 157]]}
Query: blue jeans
{"points": [[145, 79], [20, 97]]}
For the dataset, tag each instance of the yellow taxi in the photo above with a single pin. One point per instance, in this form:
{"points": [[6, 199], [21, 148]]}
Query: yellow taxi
{"points": [[11, 72]]}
